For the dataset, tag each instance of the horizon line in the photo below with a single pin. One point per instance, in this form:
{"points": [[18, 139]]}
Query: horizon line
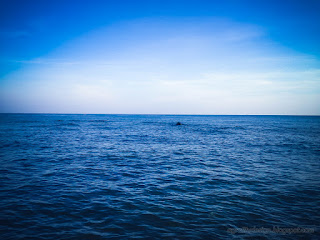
{"points": [[167, 114]]}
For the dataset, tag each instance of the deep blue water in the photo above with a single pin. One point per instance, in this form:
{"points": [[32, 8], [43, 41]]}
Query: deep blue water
{"points": [[143, 177]]}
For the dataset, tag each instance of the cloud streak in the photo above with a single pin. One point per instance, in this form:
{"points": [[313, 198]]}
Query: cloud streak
{"points": [[160, 66]]}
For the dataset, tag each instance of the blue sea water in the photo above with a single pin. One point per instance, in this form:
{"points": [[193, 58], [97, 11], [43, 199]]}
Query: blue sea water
{"points": [[143, 177]]}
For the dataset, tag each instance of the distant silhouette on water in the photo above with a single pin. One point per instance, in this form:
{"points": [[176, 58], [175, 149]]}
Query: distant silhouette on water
{"points": [[178, 123]]}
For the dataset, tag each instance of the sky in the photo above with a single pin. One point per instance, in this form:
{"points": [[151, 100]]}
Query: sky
{"points": [[233, 57]]}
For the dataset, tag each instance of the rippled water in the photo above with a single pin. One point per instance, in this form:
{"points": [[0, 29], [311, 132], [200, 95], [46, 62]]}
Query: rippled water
{"points": [[141, 176]]}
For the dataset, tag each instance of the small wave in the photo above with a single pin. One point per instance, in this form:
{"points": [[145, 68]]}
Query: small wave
{"points": [[100, 121]]}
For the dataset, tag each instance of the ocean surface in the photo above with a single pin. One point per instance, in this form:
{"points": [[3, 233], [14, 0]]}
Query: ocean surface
{"points": [[144, 177]]}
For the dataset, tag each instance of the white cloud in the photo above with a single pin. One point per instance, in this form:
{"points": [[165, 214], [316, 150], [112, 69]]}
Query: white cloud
{"points": [[210, 67]]}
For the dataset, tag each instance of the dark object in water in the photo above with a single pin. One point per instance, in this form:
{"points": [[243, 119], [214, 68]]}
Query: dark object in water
{"points": [[178, 123]]}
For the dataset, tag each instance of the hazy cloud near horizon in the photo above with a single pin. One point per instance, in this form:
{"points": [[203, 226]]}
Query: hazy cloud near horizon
{"points": [[152, 65]]}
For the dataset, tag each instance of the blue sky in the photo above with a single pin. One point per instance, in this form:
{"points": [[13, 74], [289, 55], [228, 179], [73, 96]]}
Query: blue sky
{"points": [[165, 57]]}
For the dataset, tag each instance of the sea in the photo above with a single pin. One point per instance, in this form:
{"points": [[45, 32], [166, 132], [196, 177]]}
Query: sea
{"points": [[144, 177]]}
